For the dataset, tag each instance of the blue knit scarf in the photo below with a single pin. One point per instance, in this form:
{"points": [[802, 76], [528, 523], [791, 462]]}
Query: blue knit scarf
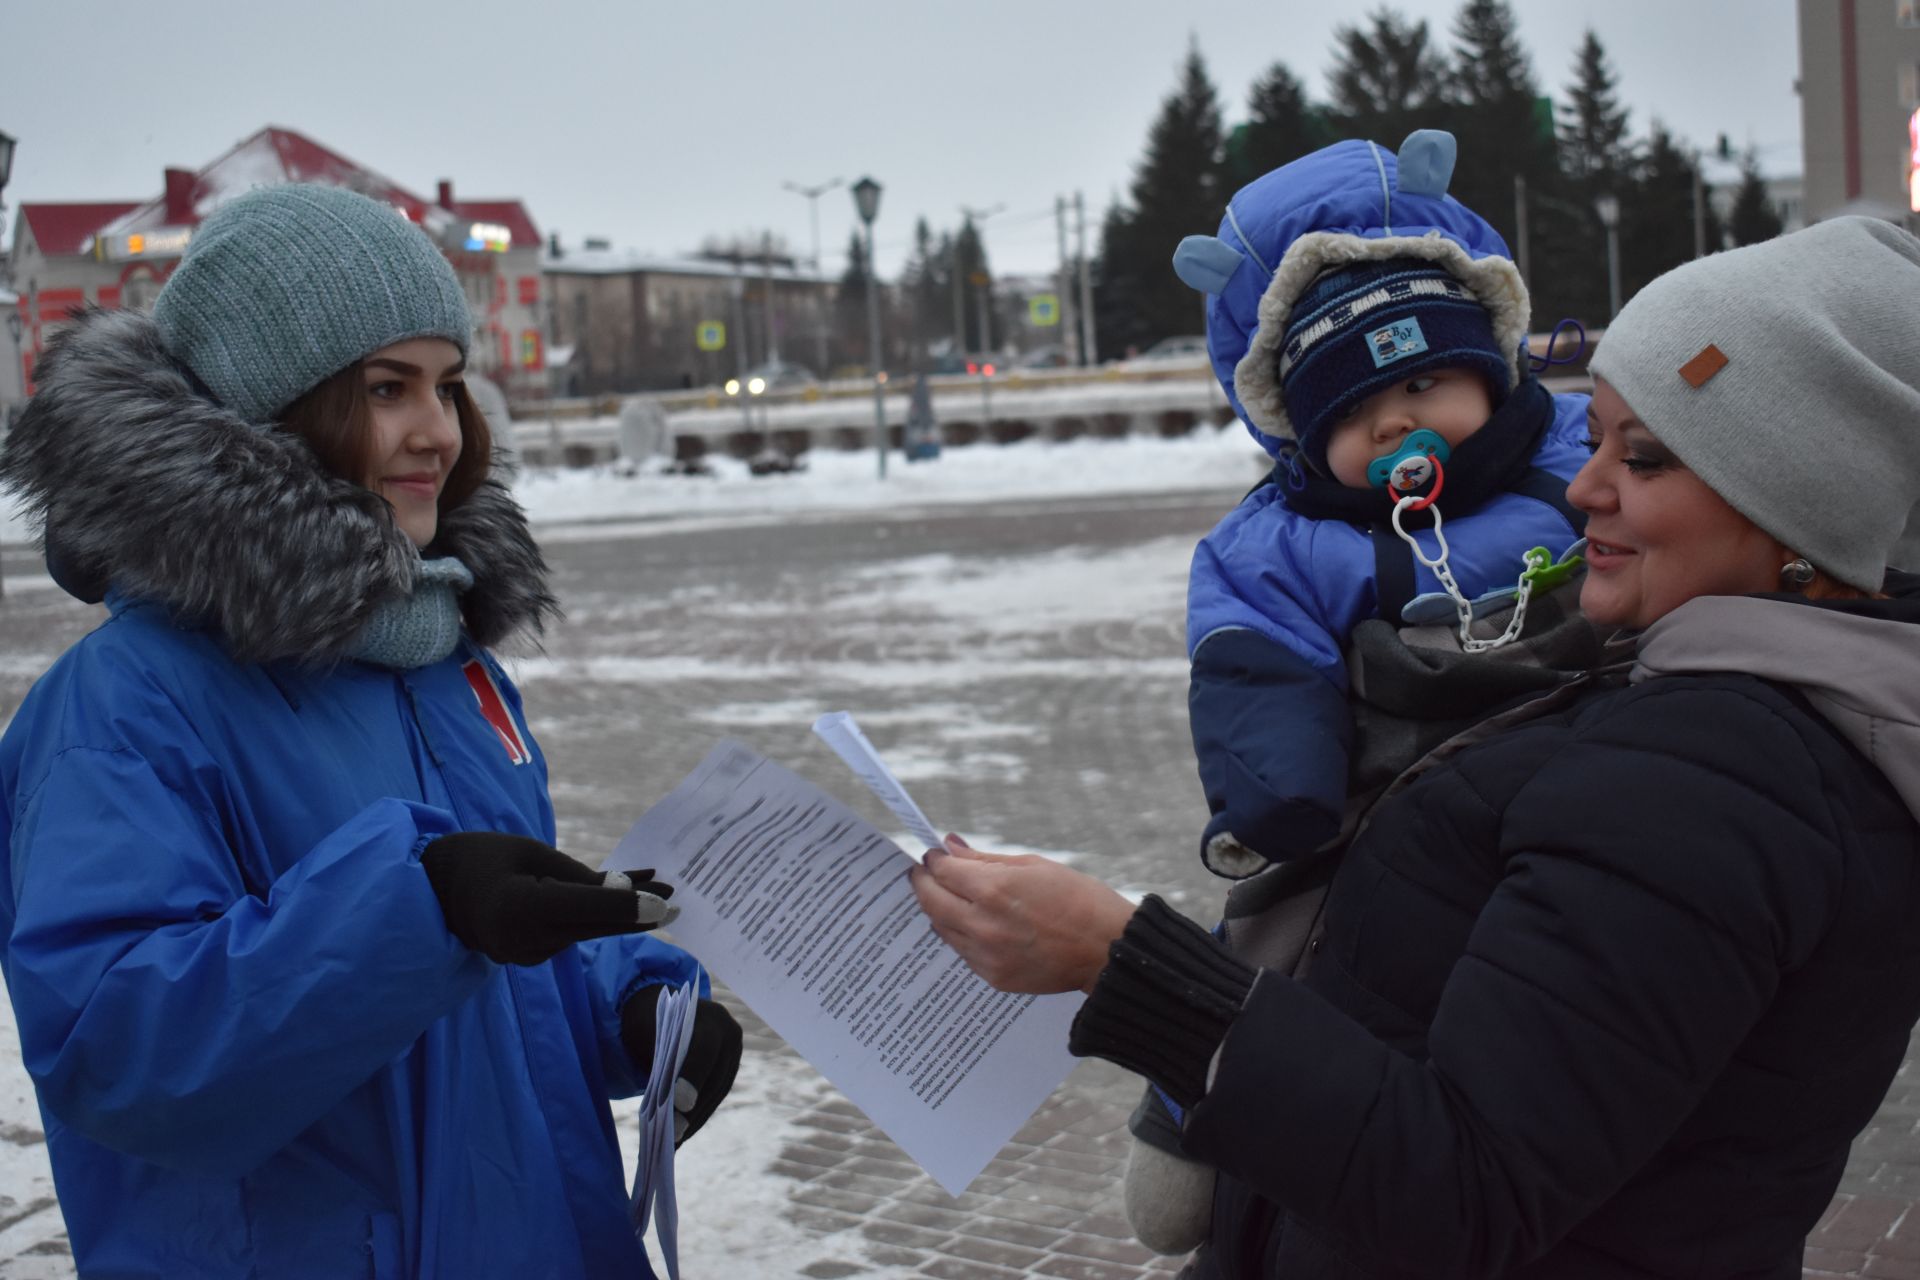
{"points": [[420, 629]]}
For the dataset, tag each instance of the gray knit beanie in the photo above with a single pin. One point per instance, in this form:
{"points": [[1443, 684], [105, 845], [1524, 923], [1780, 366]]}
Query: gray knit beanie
{"points": [[1786, 375], [285, 286]]}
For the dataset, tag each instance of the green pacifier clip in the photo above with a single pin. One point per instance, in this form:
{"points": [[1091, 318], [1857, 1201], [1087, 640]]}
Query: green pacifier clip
{"points": [[1421, 457]]}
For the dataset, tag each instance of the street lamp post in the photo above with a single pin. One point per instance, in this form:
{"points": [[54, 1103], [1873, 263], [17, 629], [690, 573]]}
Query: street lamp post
{"points": [[866, 201], [737, 385], [1608, 207], [7, 142], [813, 195]]}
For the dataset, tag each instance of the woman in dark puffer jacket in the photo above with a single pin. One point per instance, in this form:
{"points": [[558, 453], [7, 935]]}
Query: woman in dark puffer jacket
{"points": [[1609, 993]]}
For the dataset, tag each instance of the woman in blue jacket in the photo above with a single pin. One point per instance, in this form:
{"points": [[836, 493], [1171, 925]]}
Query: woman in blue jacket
{"points": [[302, 984]]}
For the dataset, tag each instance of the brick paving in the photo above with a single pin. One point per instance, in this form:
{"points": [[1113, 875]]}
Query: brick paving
{"points": [[676, 639]]}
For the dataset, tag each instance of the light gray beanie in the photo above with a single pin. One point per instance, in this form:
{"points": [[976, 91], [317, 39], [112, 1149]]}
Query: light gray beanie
{"points": [[1786, 375], [285, 286]]}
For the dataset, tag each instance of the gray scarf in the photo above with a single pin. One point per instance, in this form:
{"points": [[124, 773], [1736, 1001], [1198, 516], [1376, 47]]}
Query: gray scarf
{"points": [[419, 629]]}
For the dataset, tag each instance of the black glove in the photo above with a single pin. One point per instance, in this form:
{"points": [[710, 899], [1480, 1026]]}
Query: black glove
{"points": [[713, 1056], [518, 900]]}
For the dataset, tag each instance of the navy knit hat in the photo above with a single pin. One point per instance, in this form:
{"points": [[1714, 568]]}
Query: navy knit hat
{"points": [[1359, 328], [283, 287]]}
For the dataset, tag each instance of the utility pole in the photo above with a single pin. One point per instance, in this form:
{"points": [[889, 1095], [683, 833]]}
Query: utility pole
{"points": [[866, 202], [1520, 228], [1063, 279], [766, 265], [984, 299], [1700, 210], [740, 325], [959, 297], [1089, 356], [813, 195]]}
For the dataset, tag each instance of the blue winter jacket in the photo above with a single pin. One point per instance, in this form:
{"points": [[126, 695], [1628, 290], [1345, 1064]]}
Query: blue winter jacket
{"points": [[258, 1050], [1273, 595]]}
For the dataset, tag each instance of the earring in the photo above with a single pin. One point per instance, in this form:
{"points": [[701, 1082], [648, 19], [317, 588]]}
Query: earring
{"points": [[1796, 573]]}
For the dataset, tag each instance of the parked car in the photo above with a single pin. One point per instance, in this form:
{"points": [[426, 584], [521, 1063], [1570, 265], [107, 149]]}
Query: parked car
{"points": [[1186, 346], [1169, 355], [779, 375], [972, 362], [1048, 357]]}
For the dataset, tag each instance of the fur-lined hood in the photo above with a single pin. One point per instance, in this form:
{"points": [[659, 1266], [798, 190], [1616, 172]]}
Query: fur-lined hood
{"points": [[1350, 202], [140, 480]]}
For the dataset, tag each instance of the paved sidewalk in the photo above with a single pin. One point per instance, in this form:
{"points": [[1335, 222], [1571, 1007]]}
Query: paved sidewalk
{"points": [[1046, 1206], [1872, 1228]]}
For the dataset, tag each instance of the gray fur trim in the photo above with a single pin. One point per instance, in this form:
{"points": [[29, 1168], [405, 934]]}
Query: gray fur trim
{"points": [[137, 477], [1495, 282], [488, 533]]}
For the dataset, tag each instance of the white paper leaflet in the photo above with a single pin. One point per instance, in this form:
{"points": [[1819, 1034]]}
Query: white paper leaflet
{"points": [[839, 731], [653, 1175], [804, 909]]}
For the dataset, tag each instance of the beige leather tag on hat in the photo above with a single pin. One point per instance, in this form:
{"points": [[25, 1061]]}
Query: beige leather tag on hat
{"points": [[1710, 361]]}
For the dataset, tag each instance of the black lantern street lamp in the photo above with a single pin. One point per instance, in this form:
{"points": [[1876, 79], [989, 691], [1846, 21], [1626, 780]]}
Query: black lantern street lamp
{"points": [[6, 159], [866, 200]]}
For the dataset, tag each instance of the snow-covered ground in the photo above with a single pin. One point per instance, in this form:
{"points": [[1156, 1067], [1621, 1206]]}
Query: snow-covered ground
{"points": [[836, 481]]}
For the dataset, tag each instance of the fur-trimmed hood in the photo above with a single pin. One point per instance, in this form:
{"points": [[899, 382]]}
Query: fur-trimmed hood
{"points": [[141, 481], [1350, 202]]}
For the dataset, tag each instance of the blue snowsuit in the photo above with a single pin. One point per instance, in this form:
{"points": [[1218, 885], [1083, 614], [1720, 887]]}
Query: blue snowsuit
{"points": [[258, 1051], [1273, 595]]}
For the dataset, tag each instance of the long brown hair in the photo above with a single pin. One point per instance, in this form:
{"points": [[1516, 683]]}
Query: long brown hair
{"points": [[337, 423]]}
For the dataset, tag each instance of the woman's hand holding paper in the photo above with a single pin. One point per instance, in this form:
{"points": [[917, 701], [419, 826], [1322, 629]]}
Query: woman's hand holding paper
{"points": [[1024, 923]]}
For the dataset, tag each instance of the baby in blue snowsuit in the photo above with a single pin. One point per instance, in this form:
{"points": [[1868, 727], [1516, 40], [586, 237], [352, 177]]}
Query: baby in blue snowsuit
{"points": [[1352, 304]]}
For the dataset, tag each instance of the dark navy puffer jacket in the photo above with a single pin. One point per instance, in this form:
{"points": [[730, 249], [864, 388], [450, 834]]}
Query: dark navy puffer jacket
{"points": [[1607, 995]]}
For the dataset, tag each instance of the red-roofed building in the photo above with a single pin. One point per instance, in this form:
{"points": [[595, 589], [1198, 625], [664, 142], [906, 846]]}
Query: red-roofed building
{"points": [[118, 254]]}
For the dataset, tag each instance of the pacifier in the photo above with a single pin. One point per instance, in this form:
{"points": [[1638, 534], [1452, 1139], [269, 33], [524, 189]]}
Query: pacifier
{"points": [[1412, 465]]}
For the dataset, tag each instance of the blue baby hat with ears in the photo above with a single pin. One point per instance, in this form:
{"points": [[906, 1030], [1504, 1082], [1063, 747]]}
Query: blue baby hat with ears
{"points": [[1355, 205]]}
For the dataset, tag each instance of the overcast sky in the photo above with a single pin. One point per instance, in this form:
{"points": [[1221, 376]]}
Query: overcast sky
{"points": [[657, 124]]}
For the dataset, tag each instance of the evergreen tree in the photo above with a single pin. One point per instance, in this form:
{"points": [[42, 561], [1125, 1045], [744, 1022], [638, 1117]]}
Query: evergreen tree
{"points": [[968, 259], [928, 284], [1118, 325], [1498, 123], [1597, 157], [1281, 125], [1510, 160], [849, 342], [1386, 80], [1176, 192], [1593, 140], [1753, 217], [1490, 68], [1657, 214]]}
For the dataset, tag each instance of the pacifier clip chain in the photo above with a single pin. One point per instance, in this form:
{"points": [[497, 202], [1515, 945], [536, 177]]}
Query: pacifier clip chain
{"points": [[1409, 471]]}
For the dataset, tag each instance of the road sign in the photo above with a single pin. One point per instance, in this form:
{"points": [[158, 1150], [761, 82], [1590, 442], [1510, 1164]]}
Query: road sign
{"points": [[710, 335], [1043, 309]]}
